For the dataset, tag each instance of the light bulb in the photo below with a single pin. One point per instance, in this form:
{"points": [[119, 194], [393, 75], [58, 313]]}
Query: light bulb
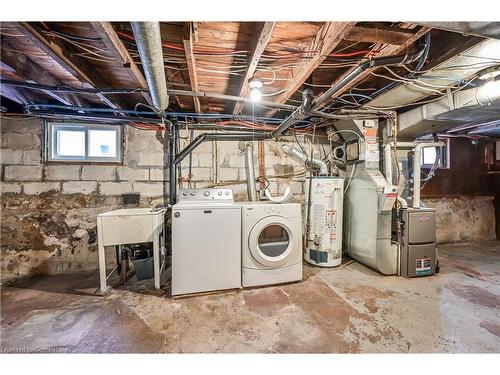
{"points": [[255, 95]]}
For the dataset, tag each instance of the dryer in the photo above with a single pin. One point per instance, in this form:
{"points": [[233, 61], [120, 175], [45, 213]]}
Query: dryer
{"points": [[271, 243]]}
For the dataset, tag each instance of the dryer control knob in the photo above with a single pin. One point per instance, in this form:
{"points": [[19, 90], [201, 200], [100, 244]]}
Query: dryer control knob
{"points": [[220, 193], [207, 193]]}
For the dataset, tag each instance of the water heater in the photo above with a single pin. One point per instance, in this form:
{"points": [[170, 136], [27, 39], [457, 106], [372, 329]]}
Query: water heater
{"points": [[324, 200]]}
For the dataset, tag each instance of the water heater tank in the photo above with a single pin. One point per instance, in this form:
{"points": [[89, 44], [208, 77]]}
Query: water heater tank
{"points": [[324, 202]]}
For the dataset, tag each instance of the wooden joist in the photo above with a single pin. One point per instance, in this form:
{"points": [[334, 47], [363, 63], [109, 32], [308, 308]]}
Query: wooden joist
{"points": [[62, 53], [191, 63], [380, 34], [387, 51], [27, 69], [263, 36], [325, 41], [116, 47]]}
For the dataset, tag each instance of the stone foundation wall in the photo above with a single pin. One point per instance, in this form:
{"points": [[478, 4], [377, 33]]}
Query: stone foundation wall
{"points": [[464, 219]]}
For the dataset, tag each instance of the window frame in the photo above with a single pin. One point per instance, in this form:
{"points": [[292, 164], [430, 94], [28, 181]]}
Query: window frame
{"points": [[444, 162], [52, 129]]}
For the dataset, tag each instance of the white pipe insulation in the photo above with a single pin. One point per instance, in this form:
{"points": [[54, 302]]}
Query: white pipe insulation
{"points": [[299, 155]]}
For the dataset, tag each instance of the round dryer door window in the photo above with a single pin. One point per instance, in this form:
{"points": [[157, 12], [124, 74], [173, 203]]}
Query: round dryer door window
{"points": [[272, 241]]}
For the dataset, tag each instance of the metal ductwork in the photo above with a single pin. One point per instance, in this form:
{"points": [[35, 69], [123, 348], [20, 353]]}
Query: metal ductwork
{"points": [[148, 39], [446, 74], [250, 172], [484, 29], [475, 106], [299, 155]]}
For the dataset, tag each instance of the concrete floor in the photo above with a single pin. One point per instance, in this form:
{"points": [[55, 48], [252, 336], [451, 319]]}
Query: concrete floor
{"points": [[342, 310]]}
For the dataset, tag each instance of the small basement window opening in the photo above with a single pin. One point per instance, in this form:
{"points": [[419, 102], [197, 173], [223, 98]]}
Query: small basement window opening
{"points": [[77, 142], [428, 157]]}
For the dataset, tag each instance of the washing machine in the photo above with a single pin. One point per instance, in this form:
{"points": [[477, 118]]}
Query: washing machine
{"points": [[271, 243], [206, 241]]}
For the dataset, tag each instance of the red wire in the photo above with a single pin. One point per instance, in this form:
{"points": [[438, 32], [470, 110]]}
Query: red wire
{"points": [[208, 50]]}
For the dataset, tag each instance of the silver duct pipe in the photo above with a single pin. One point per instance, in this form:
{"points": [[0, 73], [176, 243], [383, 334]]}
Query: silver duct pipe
{"points": [[148, 39], [299, 155], [250, 172]]}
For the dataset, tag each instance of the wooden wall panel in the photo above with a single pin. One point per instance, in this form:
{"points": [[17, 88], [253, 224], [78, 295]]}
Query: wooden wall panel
{"points": [[467, 175]]}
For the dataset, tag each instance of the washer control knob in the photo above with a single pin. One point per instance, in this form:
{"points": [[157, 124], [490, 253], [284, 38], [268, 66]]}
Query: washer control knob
{"points": [[192, 194], [206, 194], [177, 214], [227, 192], [185, 194], [220, 193]]}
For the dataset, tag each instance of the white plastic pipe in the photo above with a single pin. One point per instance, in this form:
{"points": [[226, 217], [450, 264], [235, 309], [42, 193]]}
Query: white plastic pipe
{"points": [[416, 169], [388, 158], [250, 171]]}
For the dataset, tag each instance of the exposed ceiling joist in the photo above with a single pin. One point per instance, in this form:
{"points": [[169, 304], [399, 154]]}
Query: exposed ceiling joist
{"points": [[191, 63], [14, 95], [62, 53], [263, 36], [379, 34], [109, 36], [388, 51], [30, 71], [327, 38]]}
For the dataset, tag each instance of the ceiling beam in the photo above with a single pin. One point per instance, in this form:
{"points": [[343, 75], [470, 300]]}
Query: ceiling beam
{"points": [[264, 32], [63, 53], [30, 71], [325, 41], [191, 63], [387, 51], [379, 34], [120, 52]]}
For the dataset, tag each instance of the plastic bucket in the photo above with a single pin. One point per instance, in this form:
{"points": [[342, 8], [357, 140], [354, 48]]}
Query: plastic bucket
{"points": [[144, 268]]}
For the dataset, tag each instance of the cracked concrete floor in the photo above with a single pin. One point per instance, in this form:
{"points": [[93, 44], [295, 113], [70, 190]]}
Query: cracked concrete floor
{"points": [[349, 309]]}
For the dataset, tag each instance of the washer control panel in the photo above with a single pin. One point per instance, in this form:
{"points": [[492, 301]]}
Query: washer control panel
{"points": [[205, 195]]}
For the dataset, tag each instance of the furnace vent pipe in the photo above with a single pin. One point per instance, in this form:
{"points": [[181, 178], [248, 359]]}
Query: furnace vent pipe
{"points": [[148, 39], [416, 169], [250, 172], [299, 155]]}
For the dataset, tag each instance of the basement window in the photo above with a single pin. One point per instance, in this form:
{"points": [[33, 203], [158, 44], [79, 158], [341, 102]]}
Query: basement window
{"points": [[84, 142], [429, 155]]}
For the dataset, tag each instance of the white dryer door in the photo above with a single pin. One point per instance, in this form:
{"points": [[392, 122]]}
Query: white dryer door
{"points": [[273, 240]]}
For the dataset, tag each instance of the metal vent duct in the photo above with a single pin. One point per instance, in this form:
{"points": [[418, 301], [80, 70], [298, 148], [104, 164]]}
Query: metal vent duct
{"points": [[148, 38], [477, 106]]}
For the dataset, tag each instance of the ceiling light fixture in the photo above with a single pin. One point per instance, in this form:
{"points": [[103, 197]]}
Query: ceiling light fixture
{"points": [[255, 95], [255, 84]]}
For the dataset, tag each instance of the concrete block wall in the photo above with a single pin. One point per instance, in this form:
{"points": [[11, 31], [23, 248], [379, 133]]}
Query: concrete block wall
{"points": [[49, 209], [222, 163]]}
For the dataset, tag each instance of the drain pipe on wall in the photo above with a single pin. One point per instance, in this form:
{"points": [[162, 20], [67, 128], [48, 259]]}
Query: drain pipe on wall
{"points": [[148, 39]]}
